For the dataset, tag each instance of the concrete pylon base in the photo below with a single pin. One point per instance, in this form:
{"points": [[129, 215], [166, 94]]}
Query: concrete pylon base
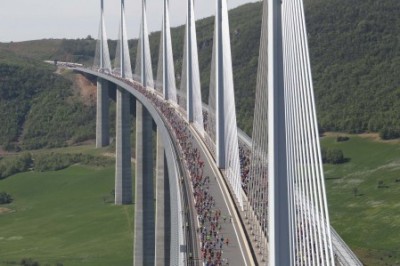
{"points": [[102, 120], [144, 245], [162, 206], [123, 169]]}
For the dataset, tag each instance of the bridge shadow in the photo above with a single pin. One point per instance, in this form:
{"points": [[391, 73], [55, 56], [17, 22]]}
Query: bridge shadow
{"points": [[333, 178]]}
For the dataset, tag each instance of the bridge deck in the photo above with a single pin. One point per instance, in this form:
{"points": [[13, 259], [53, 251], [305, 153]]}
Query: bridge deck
{"points": [[222, 240], [228, 235], [237, 252]]}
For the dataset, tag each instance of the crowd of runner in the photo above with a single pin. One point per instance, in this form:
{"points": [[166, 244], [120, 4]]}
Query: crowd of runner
{"points": [[210, 218], [244, 157]]}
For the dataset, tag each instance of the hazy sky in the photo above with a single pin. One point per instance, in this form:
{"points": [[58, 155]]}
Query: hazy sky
{"points": [[22, 20]]}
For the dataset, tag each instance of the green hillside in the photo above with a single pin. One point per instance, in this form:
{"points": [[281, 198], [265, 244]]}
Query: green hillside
{"points": [[355, 55], [354, 49], [38, 108]]}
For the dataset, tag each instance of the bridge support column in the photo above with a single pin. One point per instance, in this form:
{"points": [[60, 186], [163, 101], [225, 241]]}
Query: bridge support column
{"points": [[102, 120], [123, 170], [162, 206], [144, 204], [280, 231]]}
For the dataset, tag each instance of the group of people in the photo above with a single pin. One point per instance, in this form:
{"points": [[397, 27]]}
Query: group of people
{"points": [[244, 158], [209, 217], [174, 118]]}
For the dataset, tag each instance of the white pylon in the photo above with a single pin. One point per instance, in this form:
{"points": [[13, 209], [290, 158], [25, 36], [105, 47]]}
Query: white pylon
{"points": [[190, 89], [102, 58], [166, 71], [222, 102], [143, 68], [122, 63], [298, 229]]}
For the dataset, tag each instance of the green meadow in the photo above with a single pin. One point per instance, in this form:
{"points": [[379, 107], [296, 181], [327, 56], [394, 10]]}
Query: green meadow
{"points": [[65, 218], [364, 197]]}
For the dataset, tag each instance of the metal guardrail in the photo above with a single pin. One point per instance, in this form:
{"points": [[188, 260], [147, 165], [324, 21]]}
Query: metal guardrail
{"points": [[343, 253]]}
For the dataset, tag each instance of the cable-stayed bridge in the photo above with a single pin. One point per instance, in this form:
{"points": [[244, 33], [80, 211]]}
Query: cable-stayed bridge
{"points": [[216, 196]]}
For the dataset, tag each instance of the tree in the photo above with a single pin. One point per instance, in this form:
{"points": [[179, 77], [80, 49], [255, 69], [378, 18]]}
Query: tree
{"points": [[5, 198], [387, 133], [335, 156]]}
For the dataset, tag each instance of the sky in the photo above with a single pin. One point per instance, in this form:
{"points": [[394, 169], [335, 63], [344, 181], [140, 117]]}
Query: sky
{"points": [[22, 20]]}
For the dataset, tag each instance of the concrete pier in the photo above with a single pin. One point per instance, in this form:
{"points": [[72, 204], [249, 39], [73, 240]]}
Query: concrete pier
{"points": [[162, 206], [123, 169], [144, 246], [102, 119]]}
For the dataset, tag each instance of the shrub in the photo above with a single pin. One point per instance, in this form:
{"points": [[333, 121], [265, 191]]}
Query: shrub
{"points": [[387, 133], [333, 156], [20, 164], [342, 138], [5, 198]]}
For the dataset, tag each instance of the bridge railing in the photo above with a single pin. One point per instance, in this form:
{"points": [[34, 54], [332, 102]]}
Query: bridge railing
{"points": [[343, 253]]}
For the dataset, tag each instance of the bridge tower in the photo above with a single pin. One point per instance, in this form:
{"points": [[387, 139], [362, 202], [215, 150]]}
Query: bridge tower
{"points": [[123, 170], [102, 57], [144, 253], [190, 89], [286, 160], [221, 125], [281, 232], [166, 72], [102, 63], [167, 86], [143, 69]]}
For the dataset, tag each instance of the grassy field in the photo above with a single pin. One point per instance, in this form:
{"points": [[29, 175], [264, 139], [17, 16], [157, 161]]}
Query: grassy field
{"points": [[65, 217], [368, 220]]}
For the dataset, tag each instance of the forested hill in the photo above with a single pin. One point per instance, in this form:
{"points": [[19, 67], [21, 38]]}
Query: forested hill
{"points": [[354, 49], [39, 108], [355, 56]]}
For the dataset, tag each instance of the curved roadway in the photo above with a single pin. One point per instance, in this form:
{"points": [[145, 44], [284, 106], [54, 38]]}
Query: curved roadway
{"points": [[238, 251]]}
